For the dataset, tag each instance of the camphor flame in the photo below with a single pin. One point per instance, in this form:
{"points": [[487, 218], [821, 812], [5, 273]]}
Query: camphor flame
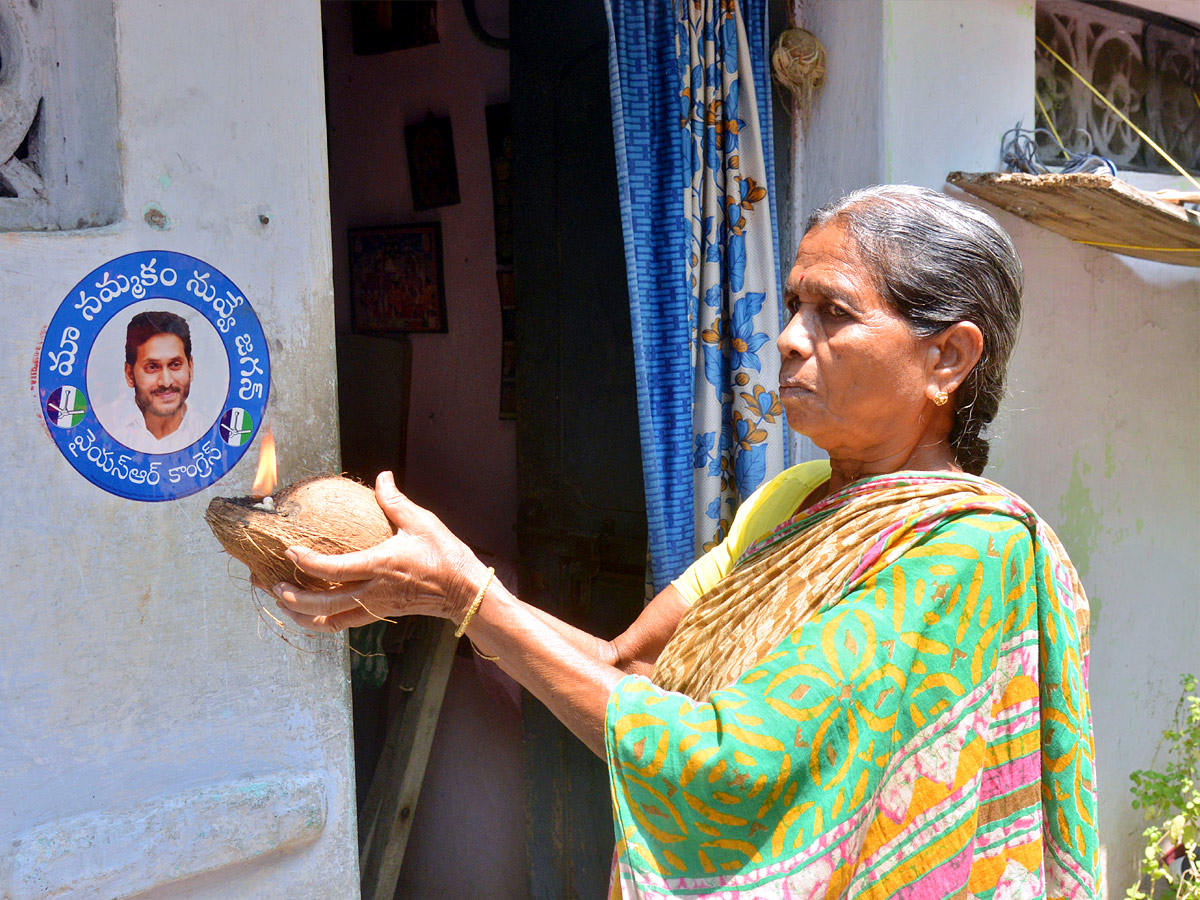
{"points": [[265, 477]]}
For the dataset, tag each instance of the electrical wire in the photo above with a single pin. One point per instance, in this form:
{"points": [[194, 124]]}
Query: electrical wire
{"points": [[1019, 152]]}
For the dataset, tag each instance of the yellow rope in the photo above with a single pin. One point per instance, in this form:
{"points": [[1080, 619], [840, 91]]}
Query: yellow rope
{"points": [[1145, 137], [1049, 121], [1138, 247]]}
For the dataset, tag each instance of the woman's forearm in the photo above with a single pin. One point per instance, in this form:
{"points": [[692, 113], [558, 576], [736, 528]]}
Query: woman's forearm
{"points": [[600, 650], [560, 665], [635, 650]]}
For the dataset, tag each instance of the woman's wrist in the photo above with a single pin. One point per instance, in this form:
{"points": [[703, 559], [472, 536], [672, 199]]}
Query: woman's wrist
{"points": [[473, 606], [467, 591]]}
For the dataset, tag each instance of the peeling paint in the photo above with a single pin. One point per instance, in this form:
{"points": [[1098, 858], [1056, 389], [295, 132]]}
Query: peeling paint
{"points": [[154, 216]]}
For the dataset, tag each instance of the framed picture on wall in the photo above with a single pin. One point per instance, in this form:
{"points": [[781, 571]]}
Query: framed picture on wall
{"points": [[379, 26], [396, 283], [432, 170]]}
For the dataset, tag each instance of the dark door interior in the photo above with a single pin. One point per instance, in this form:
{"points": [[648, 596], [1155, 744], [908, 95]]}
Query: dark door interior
{"points": [[582, 523]]}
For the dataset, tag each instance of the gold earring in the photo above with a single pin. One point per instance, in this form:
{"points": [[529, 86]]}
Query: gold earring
{"points": [[940, 398]]}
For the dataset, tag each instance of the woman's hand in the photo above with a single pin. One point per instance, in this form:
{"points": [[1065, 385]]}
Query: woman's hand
{"points": [[425, 570], [421, 570]]}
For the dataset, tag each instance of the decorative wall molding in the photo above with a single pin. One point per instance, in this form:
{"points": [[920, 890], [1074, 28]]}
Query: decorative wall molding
{"points": [[59, 164], [1149, 67], [25, 58], [124, 852]]}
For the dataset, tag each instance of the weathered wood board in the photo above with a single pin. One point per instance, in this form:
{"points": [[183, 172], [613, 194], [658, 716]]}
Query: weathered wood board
{"points": [[387, 815], [1096, 209]]}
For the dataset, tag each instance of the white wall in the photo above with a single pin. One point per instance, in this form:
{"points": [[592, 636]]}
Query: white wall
{"points": [[1101, 431], [842, 149], [1101, 434], [138, 688]]}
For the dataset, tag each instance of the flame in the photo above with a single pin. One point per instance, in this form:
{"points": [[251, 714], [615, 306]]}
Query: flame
{"points": [[265, 477]]}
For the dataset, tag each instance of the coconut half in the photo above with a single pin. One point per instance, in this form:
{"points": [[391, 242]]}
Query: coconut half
{"points": [[328, 513]]}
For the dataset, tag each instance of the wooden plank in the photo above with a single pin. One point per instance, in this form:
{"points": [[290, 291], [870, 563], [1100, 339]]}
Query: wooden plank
{"points": [[1095, 209], [392, 799]]}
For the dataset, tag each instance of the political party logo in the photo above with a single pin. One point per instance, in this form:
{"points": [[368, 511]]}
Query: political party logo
{"points": [[154, 375], [237, 427], [65, 407]]}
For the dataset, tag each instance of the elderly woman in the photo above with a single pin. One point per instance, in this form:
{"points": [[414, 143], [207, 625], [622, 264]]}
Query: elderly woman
{"points": [[876, 686]]}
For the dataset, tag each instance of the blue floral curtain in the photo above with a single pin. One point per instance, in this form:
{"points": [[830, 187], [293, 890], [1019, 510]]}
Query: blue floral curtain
{"points": [[695, 168]]}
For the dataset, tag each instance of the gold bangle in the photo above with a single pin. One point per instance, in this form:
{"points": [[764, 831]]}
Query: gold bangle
{"points": [[482, 655], [462, 628]]}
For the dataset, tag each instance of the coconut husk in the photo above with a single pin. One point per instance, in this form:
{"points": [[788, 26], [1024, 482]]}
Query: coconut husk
{"points": [[798, 64], [329, 514]]}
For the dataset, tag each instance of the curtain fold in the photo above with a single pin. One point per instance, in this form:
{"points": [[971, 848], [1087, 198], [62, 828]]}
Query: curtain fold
{"points": [[695, 170]]}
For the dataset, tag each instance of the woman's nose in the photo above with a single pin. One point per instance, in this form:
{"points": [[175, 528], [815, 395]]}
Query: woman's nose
{"points": [[796, 337]]}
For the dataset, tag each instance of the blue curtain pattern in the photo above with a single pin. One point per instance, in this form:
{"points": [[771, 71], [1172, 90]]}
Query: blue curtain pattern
{"points": [[695, 170]]}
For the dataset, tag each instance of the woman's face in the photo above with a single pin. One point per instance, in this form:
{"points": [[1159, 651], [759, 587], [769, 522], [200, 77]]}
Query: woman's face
{"points": [[854, 377]]}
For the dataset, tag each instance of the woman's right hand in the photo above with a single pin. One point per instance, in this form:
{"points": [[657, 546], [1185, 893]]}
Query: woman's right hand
{"points": [[423, 569]]}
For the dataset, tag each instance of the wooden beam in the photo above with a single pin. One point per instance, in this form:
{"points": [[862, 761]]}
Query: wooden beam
{"points": [[1093, 209], [392, 798]]}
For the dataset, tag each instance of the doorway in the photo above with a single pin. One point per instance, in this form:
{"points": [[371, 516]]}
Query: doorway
{"points": [[552, 495]]}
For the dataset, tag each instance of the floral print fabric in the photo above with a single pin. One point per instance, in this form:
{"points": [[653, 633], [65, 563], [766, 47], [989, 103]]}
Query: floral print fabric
{"points": [[691, 122], [740, 431]]}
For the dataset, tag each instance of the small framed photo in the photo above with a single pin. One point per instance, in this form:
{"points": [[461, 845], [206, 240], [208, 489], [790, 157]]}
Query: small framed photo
{"points": [[396, 283], [379, 26], [432, 170]]}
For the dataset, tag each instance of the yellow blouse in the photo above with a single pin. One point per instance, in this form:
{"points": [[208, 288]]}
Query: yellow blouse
{"points": [[773, 503]]}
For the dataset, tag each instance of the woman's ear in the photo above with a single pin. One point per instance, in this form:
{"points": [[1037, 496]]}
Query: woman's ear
{"points": [[953, 355]]}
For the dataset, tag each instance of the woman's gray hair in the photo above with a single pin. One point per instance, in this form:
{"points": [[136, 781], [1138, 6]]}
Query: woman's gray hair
{"points": [[940, 261]]}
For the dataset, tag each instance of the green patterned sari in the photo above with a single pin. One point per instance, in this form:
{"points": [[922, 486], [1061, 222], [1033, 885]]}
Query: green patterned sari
{"points": [[886, 698]]}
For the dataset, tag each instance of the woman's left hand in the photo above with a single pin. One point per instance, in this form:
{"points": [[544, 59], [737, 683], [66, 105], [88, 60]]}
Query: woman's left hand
{"points": [[423, 569]]}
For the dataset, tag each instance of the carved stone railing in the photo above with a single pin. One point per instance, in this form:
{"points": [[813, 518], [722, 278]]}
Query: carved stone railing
{"points": [[24, 58], [1148, 67], [59, 163]]}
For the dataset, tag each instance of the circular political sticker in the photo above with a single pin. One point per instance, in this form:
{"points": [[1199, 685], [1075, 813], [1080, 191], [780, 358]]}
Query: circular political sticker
{"points": [[154, 375]]}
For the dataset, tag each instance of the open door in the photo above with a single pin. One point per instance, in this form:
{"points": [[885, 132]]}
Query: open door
{"points": [[582, 522]]}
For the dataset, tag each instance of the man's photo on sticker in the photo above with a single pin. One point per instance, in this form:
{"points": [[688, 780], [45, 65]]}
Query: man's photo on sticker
{"points": [[159, 369]]}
